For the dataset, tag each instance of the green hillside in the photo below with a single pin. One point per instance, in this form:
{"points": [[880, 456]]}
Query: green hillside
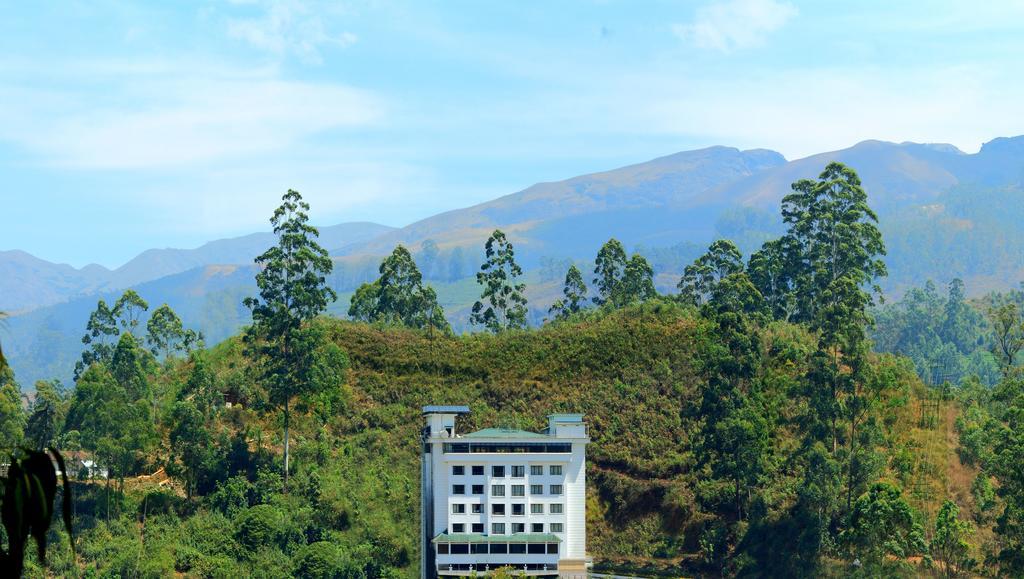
{"points": [[639, 375]]}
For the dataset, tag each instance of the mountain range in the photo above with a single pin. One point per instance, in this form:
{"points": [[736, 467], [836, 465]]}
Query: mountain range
{"points": [[944, 214], [27, 282]]}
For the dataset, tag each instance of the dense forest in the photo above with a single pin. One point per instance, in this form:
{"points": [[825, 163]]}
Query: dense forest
{"points": [[769, 419]]}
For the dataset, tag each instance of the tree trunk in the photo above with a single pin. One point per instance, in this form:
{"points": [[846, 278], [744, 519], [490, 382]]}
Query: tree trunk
{"points": [[739, 502], [287, 416]]}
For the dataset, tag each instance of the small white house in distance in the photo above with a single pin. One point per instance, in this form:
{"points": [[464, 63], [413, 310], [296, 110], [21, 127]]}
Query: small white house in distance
{"points": [[502, 497]]}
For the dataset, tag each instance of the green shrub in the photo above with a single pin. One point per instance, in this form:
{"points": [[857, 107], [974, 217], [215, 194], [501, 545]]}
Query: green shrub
{"points": [[232, 496], [265, 525], [325, 560]]}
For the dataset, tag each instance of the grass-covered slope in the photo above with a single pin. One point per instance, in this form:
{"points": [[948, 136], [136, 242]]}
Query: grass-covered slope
{"points": [[637, 375]]}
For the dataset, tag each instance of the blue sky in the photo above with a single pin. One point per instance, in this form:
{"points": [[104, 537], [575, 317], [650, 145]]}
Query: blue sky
{"points": [[166, 124]]}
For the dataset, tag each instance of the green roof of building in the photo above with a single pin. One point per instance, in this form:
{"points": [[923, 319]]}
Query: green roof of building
{"points": [[504, 433], [566, 417], [479, 538]]}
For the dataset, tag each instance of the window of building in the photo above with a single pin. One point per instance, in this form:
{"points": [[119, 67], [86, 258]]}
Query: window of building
{"points": [[477, 508], [536, 509], [518, 527], [536, 527], [552, 548], [518, 490], [498, 471], [458, 509], [556, 508], [497, 528], [478, 470], [556, 527], [458, 527], [478, 527], [478, 548], [556, 470], [536, 489], [556, 489], [458, 470], [499, 548], [460, 549], [535, 548], [458, 489], [517, 549], [518, 471], [498, 509], [478, 489], [510, 447], [497, 490], [518, 509], [442, 548], [536, 469]]}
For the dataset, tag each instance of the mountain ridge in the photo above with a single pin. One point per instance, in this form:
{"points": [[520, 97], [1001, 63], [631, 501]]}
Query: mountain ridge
{"points": [[20, 292]]}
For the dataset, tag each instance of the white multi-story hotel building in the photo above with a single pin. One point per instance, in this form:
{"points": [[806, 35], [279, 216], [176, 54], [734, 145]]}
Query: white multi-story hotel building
{"points": [[501, 497]]}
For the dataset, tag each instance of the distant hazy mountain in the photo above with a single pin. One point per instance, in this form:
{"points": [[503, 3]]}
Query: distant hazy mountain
{"points": [[944, 213], [895, 175], [45, 343], [660, 202], [27, 282]]}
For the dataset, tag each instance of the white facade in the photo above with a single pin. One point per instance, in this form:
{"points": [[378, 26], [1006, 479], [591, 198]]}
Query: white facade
{"points": [[500, 497]]}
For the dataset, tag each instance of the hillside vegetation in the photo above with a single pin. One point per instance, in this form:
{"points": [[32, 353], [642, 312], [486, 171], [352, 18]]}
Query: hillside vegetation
{"points": [[639, 374]]}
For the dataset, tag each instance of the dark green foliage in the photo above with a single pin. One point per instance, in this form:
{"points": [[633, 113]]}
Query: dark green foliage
{"points": [[945, 337], [620, 281], [883, 524], [127, 366], [46, 415], [98, 338], [574, 293], [113, 421], [265, 525], [502, 305], [12, 414], [771, 273], [609, 269], [231, 496], [293, 290], [836, 250], [699, 279], [195, 453], [166, 335], [1007, 335], [1005, 430], [736, 433], [949, 543], [399, 297], [325, 560], [637, 281], [128, 310]]}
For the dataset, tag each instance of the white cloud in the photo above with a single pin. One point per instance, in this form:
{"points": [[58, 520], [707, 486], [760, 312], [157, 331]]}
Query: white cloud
{"points": [[290, 27], [177, 117], [729, 25]]}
